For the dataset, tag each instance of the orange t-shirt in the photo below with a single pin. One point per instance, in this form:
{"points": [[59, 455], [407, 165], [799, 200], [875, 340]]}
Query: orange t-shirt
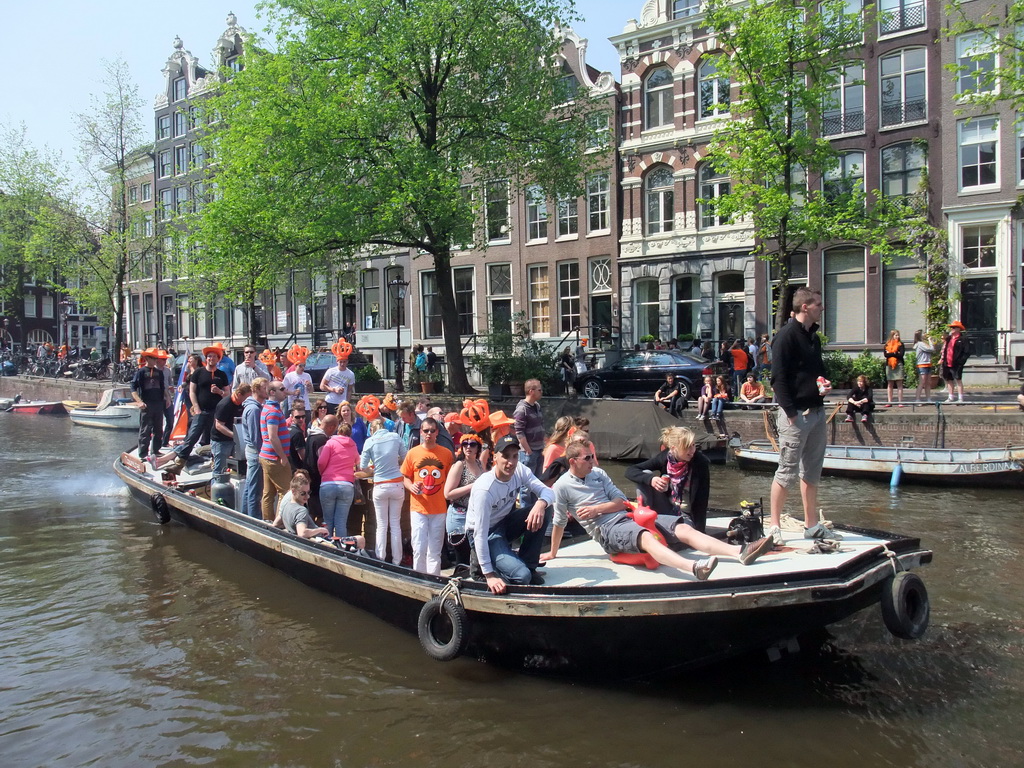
{"points": [[428, 466], [739, 359]]}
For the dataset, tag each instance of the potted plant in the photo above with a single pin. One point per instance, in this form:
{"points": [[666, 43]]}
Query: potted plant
{"points": [[369, 380], [513, 356]]}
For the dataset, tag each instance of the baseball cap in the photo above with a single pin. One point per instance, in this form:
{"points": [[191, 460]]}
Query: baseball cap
{"points": [[508, 441]]}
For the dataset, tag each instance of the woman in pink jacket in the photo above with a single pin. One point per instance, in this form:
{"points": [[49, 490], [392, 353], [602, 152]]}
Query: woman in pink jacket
{"points": [[337, 464]]}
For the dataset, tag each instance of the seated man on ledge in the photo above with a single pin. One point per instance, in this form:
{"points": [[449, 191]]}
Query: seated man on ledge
{"points": [[752, 392], [669, 397], [588, 494], [294, 517]]}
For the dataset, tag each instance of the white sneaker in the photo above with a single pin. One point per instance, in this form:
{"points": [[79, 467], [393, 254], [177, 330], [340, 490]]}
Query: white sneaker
{"points": [[950, 399], [776, 535]]}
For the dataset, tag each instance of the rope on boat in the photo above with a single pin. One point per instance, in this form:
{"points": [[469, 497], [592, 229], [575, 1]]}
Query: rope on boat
{"points": [[897, 566], [451, 591]]}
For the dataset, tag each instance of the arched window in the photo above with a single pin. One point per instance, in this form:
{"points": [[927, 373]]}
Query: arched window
{"points": [[712, 186], [903, 84], [658, 98], [660, 200], [713, 90]]}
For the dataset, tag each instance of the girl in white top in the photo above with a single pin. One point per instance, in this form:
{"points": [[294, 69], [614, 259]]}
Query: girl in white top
{"points": [[924, 349]]}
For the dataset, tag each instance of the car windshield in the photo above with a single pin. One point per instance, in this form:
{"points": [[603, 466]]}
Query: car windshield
{"points": [[320, 360]]}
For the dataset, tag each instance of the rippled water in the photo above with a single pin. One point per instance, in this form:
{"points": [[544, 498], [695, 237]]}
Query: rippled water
{"points": [[124, 643]]}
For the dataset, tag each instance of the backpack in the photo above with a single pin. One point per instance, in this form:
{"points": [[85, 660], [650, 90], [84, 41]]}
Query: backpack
{"points": [[751, 364]]}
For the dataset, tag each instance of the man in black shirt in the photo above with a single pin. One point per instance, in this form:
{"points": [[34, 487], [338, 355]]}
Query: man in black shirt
{"points": [[297, 437], [315, 444], [222, 437], [149, 390], [206, 388]]}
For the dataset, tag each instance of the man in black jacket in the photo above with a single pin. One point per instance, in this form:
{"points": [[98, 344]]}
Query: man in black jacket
{"points": [[796, 368]]}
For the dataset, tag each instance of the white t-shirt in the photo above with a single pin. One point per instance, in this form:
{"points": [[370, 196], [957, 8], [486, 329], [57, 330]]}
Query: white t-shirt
{"points": [[335, 377], [301, 381]]}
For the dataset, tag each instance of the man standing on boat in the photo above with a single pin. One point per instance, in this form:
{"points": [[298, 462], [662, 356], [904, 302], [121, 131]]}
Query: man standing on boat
{"points": [[206, 388], [250, 369], [222, 438], [253, 441], [149, 390], [425, 470], [798, 378], [277, 468], [494, 520], [529, 426]]}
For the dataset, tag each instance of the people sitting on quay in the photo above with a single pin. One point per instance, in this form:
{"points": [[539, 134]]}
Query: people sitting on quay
{"points": [[669, 396], [861, 401], [752, 392], [588, 494], [705, 398], [677, 480], [721, 396], [494, 520]]}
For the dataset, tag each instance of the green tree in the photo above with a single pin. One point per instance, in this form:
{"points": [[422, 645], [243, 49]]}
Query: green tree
{"points": [[370, 125], [783, 59]]}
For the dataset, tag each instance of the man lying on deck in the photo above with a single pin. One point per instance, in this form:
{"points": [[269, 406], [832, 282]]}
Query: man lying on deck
{"points": [[588, 494]]}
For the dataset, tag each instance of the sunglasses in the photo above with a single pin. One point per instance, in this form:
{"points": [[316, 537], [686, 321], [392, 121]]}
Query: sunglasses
{"points": [[250, 352], [428, 431], [588, 457], [470, 444], [321, 407], [300, 417]]}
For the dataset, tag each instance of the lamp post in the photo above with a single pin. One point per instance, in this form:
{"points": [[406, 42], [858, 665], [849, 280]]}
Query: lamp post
{"points": [[65, 308], [397, 288]]}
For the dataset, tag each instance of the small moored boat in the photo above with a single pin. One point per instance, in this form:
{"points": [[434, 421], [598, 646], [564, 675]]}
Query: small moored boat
{"points": [[116, 410], [40, 407], [591, 612], [928, 466]]}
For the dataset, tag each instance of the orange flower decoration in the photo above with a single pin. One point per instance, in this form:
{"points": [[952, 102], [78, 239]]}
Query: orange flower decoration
{"points": [[297, 354], [389, 402], [368, 407], [268, 357], [341, 349], [476, 414]]}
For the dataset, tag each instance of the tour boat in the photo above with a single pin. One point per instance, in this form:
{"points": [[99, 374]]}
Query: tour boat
{"points": [[927, 466], [591, 613]]}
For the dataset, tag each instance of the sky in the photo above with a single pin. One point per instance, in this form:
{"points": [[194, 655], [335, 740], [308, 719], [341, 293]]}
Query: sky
{"points": [[55, 52]]}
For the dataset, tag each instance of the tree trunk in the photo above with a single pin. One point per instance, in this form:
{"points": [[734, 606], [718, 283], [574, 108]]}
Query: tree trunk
{"points": [[115, 352], [458, 381]]}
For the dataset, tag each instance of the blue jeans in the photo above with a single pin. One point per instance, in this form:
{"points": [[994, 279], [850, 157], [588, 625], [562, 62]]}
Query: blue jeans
{"points": [[335, 499], [221, 450], [717, 406], [198, 428], [253, 484], [535, 460], [513, 568]]}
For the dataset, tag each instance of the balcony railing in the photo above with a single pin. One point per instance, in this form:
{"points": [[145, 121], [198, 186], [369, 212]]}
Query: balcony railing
{"points": [[906, 16], [904, 112], [847, 122]]}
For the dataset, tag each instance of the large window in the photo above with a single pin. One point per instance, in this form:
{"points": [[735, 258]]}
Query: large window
{"points": [[166, 203], [712, 186], [536, 214], [180, 123], [540, 294], [163, 127], [900, 15], [844, 295], [658, 98], [181, 159], [569, 295], [797, 276], [568, 217], [903, 83], [683, 8], [902, 165], [598, 202], [497, 211], [713, 90], [646, 308], [372, 316], [844, 106], [846, 179], [600, 270], [462, 279], [976, 61], [181, 200], [686, 290], [902, 298], [163, 163], [979, 150], [147, 192], [660, 195], [499, 295], [978, 246], [178, 89], [431, 306]]}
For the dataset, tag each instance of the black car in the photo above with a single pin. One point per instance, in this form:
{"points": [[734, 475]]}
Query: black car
{"points": [[316, 366], [640, 374]]}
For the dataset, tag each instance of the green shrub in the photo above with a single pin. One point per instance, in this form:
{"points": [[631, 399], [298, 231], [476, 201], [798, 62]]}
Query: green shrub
{"points": [[838, 367], [368, 373], [910, 370], [645, 339], [866, 364]]}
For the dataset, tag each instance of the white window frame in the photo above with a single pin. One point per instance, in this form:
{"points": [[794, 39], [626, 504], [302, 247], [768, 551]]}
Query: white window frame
{"points": [[901, 77], [179, 122], [536, 215], [179, 89], [146, 192], [975, 230], [569, 295], [181, 160], [849, 82], [849, 172], [165, 164], [568, 212], [968, 47], [659, 100], [540, 299], [719, 87], [659, 197], [598, 203], [905, 147], [711, 188], [490, 219], [972, 136]]}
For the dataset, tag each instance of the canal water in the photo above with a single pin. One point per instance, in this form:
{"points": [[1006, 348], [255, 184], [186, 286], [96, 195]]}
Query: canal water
{"points": [[124, 643]]}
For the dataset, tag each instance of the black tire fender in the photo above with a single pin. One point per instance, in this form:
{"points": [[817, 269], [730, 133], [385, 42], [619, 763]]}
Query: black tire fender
{"points": [[905, 605], [443, 629], [161, 511]]}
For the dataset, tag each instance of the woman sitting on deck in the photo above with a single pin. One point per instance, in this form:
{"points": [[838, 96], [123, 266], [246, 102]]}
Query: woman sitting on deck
{"points": [[860, 400], [677, 480]]}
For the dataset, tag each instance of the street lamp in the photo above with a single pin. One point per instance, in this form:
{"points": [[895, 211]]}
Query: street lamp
{"points": [[397, 288], [65, 309]]}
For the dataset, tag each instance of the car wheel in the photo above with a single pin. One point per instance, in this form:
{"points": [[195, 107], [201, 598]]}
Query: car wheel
{"points": [[685, 390], [593, 389]]}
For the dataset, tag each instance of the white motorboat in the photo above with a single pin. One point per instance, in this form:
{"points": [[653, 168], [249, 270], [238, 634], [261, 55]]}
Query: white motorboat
{"points": [[116, 410]]}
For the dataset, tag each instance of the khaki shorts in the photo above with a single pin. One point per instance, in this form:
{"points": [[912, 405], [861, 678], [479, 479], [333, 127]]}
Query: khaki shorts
{"points": [[801, 447]]}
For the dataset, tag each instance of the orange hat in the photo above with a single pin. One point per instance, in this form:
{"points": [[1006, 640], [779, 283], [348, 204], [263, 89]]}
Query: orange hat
{"points": [[499, 419], [368, 407], [215, 349], [297, 354], [453, 418], [389, 402], [341, 349], [476, 414], [156, 354], [957, 324], [268, 357]]}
